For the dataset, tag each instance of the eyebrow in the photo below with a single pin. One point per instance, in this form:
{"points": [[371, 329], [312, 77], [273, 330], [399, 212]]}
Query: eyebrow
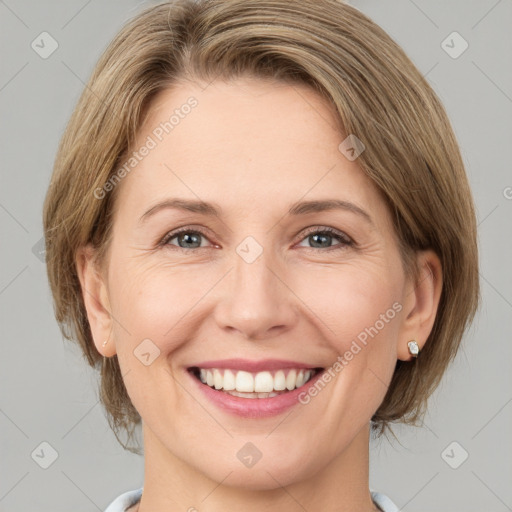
{"points": [[297, 209]]}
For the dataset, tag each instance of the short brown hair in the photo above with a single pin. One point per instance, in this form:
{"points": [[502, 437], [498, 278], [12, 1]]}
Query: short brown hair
{"points": [[411, 154]]}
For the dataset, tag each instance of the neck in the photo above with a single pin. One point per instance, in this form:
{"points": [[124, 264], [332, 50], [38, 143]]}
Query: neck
{"points": [[171, 484]]}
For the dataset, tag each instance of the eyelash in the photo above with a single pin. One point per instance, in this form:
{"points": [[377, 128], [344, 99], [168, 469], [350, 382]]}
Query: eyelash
{"points": [[345, 240]]}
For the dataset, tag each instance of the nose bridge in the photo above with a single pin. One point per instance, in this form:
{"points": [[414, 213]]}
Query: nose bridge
{"points": [[255, 300], [252, 272]]}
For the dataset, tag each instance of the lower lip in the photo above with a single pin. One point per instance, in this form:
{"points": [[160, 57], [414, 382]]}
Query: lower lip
{"points": [[254, 407]]}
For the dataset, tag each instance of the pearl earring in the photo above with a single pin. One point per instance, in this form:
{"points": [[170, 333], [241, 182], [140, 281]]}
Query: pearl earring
{"points": [[414, 350], [105, 342]]}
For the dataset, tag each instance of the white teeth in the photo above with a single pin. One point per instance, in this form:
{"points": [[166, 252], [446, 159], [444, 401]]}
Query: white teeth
{"points": [[291, 379], [217, 379], [252, 395], [244, 382], [255, 385], [279, 381], [229, 381], [263, 382]]}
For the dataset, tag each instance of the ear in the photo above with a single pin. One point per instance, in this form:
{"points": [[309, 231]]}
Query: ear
{"points": [[421, 300], [94, 293]]}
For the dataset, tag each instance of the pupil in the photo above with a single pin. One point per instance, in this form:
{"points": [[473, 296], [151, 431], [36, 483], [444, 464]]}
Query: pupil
{"points": [[323, 236], [188, 239]]}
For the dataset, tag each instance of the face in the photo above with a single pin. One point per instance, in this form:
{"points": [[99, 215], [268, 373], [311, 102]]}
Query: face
{"points": [[269, 291]]}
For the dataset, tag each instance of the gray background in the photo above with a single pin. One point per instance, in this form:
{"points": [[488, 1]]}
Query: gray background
{"points": [[48, 394]]}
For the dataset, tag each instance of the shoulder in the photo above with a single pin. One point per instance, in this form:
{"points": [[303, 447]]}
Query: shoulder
{"points": [[383, 502], [125, 501]]}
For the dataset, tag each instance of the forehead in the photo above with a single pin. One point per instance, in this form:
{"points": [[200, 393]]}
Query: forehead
{"points": [[250, 143]]}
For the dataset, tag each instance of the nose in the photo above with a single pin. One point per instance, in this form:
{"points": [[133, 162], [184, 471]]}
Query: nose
{"points": [[255, 300]]}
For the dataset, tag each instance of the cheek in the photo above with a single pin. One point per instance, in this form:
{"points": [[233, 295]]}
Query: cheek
{"points": [[360, 305], [157, 301], [368, 341], [349, 300]]}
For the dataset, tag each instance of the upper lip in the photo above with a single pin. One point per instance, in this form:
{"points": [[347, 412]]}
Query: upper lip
{"points": [[252, 366]]}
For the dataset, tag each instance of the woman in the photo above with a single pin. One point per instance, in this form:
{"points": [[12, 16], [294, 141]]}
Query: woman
{"points": [[260, 229]]}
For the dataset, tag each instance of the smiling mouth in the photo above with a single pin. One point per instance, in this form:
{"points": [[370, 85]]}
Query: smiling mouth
{"points": [[266, 384]]}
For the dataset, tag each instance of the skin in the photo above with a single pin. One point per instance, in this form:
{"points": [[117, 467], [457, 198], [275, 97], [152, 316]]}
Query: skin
{"points": [[254, 148]]}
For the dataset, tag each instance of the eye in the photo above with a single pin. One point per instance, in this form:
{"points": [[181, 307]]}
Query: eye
{"points": [[321, 238], [187, 238]]}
